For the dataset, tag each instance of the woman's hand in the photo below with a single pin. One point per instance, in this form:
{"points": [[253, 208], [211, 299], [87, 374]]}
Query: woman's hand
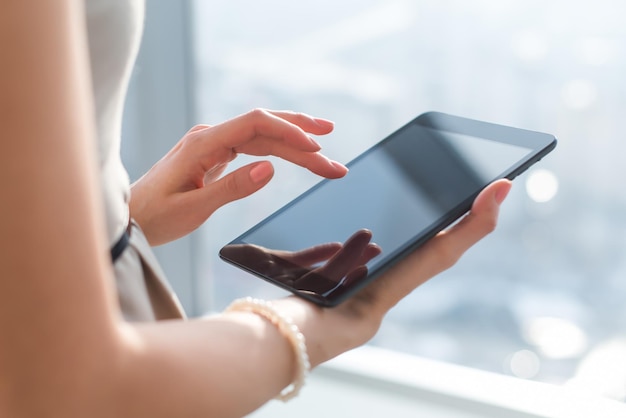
{"points": [[333, 331], [184, 188]]}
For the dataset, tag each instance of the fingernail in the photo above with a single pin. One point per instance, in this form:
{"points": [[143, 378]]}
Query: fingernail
{"points": [[261, 172], [339, 166], [324, 122], [315, 143]]}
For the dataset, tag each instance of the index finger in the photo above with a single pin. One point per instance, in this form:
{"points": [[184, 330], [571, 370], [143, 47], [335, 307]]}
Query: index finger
{"points": [[286, 127], [310, 124]]}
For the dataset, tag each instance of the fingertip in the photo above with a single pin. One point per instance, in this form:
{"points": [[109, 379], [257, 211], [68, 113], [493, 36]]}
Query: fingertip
{"points": [[313, 145], [325, 124], [503, 188], [495, 192], [261, 172], [340, 169], [325, 167]]}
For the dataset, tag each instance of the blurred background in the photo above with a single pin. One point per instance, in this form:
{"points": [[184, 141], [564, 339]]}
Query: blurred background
{"points": [[542, 298]]}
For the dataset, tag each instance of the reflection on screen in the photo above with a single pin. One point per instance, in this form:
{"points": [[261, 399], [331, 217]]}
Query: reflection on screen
{"points": [[395, 193]]}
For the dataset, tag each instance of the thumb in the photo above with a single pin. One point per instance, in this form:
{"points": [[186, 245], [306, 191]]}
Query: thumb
{"points": [[236, 185], [480, 221]]}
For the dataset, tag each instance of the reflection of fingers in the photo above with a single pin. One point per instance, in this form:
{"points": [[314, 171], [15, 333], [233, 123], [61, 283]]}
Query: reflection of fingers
{"points": [[312, 255], [346, 258], [370, 252], [253, 254], [356, 275]]}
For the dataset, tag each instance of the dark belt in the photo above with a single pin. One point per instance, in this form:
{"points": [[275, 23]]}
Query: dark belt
{"points": [[121, 244]]}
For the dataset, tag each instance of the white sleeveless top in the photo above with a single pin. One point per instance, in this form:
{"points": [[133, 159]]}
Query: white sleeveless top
{"points": [[114, 30]]}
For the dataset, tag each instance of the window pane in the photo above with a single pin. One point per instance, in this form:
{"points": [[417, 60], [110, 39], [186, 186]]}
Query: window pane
{"points": [[544, 290]]}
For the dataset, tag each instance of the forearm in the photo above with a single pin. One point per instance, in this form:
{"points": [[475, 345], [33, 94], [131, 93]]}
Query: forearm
{"points": [[226, 365], [56, 305], [219, 367]]}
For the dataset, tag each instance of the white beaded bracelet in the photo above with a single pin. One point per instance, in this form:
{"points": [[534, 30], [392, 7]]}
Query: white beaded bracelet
{"points": [[291, 332]]}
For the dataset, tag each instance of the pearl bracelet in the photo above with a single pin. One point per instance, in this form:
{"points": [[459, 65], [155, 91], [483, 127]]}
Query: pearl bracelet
{"points": [[289, 330]]}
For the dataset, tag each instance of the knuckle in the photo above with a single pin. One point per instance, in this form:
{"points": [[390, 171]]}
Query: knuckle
{"points": [[446, 256], [257, 113], [230, 186], [235, 186], [490, 225], [198, 127], [193, 136], [486, 225], [300, 116]]}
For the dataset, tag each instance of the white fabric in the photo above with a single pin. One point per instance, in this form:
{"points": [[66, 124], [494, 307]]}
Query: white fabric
{"points": [[114, 29]]}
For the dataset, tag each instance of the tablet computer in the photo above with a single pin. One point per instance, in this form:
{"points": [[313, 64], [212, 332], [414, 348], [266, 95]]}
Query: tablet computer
{"points": [[339, 235]]}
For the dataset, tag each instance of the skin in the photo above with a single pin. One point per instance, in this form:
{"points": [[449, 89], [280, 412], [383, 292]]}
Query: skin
{"points": [[65, 350], [183, 189]]}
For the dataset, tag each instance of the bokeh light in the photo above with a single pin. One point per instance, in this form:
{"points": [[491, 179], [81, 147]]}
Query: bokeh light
{"points": [[556, 338], [524, 364], [542, 185], [579, 94]]}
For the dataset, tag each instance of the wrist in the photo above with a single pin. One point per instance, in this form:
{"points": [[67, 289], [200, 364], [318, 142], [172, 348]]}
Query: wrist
{"points": [[289, 331], [138, 207], [328, 331]]}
